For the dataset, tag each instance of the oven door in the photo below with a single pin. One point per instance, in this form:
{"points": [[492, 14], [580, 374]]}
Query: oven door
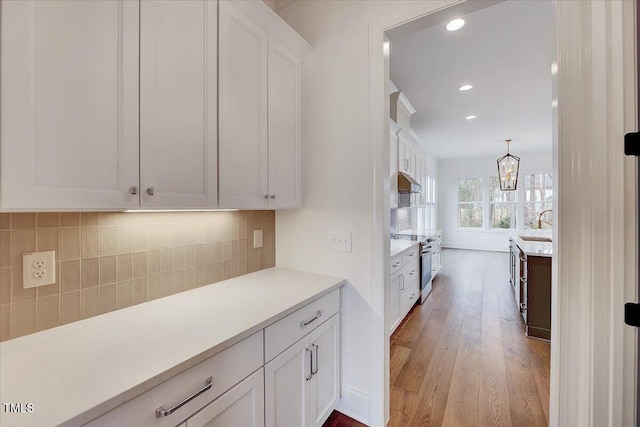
{"points": [[425, 272]]}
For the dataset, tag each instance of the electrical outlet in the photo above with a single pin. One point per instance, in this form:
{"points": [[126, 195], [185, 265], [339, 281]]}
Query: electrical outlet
{"points": [[340, 241], [257, 239], [38, 269]]}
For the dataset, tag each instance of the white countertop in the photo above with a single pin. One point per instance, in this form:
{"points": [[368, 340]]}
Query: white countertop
{"points": [[532, 248], [84, 369], [431, 232], [399, 246]]}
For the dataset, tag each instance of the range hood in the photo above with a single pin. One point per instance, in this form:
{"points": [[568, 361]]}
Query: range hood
{"points": [[407, 185]]}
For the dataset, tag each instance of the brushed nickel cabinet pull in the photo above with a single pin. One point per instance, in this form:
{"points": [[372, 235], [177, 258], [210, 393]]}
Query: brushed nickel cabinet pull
{"points": [[310, 374], [161, 412], [304, 323], [273, 197], [266, 196], [314, 367], [133, 190], [150, 191]]}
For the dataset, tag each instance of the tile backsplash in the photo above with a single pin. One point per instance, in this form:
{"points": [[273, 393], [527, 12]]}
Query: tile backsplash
{"points": [[106, 261]]}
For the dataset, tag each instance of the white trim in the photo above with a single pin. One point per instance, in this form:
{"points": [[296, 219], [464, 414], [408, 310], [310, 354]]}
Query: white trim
{"points": [[407, 107], [354, 403]]}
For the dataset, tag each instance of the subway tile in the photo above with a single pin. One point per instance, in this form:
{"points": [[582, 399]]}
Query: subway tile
{"points": [[5, 221], [70, 307], [69, 219], [153, 288], [107, 218], [89, 219], [178, 258], [189, 256], [228, 250], [89, 302], [18, 293], [5, 249], [90, 268], [166, 263], [201, 276], [107, 298], [139, 291], [139, 239], [23, 318], [211, 273], [166, 280], [177, 235], [219, 252], [190, 234], [190, 278], [124, 218], [124, 297], [153, 236], [219, 272], [165, 236], [5, 322], [53, 289], [228, 270], [48, 239], [5, 285], [177, 282], [48, 312], [107, 270], [125, 239], [210, 256], [70, 275], [124, 267], [22, 242], [253, 263], [201, 252], [48, 219], [23, 221], [154, 262], [139, 268], [108, 240], [90, 242], [69, 243]]}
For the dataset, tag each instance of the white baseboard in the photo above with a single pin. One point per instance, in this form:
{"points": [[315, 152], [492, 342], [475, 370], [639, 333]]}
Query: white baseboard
{"points": [[354, 403]]}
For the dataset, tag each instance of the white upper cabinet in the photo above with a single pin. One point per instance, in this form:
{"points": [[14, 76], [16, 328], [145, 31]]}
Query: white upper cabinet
{"points": [[69, 98], [178, 104], [260, 104], [285, 128]]}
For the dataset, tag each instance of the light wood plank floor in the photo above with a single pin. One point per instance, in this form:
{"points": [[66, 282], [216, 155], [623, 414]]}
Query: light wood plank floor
{"points": [[462, 359]]}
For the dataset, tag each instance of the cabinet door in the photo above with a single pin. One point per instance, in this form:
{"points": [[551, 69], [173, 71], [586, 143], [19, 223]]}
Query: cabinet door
{"points": [[286, 386], [178, 100], [285, 128], [325, 383], [395, 290], [242, 125], [404, 155], [69, 96], [242, 406]]}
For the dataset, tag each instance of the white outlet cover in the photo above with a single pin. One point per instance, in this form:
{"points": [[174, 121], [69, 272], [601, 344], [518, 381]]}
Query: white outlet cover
{"points": [[38, 269], [257, 239]]}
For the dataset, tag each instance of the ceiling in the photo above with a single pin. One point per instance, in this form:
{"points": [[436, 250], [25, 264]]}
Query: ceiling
{"points": [[505, 51]]}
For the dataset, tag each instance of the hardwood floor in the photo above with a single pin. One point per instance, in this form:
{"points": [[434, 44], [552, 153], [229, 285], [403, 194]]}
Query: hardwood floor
{"points": [[462, 359]]}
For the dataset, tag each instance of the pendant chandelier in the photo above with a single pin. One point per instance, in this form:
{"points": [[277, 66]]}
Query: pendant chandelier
{"points": [[508, 168]]}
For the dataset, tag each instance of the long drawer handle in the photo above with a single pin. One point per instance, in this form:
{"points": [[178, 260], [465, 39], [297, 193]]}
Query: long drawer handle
{"points": [[161, 412], [523, 306], [523, 280], [396, 264], [304, 323], [310, 374], [412, 271], [314, 368]]}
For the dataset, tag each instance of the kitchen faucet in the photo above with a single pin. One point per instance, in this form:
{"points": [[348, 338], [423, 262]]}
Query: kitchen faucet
{"points": [[540, 217]]}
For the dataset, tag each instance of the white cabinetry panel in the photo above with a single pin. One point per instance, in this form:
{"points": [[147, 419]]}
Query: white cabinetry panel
{"points": [[243, 110], [178, 103], [69, 104]]}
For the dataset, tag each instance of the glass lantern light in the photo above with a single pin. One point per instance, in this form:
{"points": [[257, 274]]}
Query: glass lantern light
{"points": [[508, 168]]}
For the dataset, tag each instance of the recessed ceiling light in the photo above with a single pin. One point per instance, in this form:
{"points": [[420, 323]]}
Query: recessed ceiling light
{"points": [[470, 117], [465, 88], [455, 24]]}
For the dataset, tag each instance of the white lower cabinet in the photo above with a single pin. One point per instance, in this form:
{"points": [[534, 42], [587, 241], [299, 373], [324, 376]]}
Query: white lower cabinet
{"points": [[302, 385], [404, 287], [242, 406]]}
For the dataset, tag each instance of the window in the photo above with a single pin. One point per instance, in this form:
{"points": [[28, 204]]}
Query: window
{"points": [[538, 199], [430, 196], [502, 206], [470, 202]]}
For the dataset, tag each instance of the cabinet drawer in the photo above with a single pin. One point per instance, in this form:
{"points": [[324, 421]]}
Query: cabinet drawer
{"points": [[409, 296], [410, 254], [411, 272], [285, 332], [226, 368], [396, 263]]}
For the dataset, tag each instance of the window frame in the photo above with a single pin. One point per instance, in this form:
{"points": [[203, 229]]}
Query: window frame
{"points": [[480, 202], [513, 203]]}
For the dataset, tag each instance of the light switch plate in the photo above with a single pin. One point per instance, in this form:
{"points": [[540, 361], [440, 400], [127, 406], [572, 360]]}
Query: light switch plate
{"points": [[340, 241], [257, 239], [38, 269]]}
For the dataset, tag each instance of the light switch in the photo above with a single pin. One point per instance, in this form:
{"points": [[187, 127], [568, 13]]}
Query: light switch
{"points": [[257, 239], [38, 269], [340, 241]]}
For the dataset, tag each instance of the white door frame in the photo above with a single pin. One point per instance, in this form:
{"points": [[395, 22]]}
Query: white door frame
{"points": [[593, 355]]}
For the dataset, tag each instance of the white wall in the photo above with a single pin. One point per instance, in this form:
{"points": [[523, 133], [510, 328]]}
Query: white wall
{"points": [[339, 175], [449, 170]]}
